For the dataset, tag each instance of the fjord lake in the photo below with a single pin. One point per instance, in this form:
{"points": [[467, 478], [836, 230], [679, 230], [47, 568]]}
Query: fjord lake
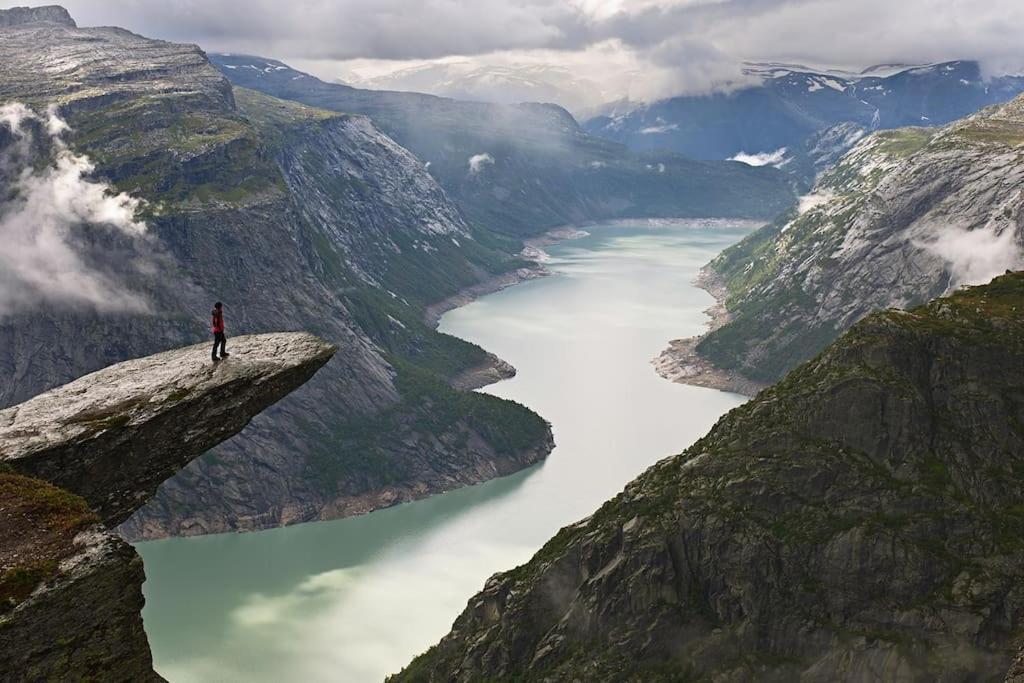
{"points": [[356, 599]]}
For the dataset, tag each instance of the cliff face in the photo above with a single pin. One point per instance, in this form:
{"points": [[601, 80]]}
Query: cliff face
{"points": [[905, 216], [296, 218], [54, 14], [71, 589], [858, 521]]}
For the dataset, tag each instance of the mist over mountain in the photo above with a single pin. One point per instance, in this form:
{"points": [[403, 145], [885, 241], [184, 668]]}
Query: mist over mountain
{"points": [[546, 170], [502, 84]]}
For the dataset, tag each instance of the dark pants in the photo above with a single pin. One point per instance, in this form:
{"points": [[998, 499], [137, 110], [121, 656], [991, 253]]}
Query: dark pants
{"points": [[219, 340]]}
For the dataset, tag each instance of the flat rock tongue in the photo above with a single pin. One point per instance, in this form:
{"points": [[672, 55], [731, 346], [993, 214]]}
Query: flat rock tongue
{"points": [[113, 436]]}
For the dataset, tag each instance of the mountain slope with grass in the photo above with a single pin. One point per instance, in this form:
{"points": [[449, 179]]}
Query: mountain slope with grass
{"points": [[858, 521], [905, 216]]}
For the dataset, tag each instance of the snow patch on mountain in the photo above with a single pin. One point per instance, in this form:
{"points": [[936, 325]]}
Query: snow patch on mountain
{"points": [[659, 129]]}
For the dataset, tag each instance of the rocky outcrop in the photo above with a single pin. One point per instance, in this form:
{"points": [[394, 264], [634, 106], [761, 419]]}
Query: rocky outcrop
{"points": [[71, 589], [54, 14], [114, 435], [83, 621], [858, 521], [905, 216], [1016, 672]]}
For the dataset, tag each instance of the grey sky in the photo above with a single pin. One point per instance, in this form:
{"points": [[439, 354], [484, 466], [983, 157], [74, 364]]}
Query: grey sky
{"points": [[675, 45]]}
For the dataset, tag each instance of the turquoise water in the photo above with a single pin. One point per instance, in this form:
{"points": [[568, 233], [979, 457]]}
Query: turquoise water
{"points": [[356, 599]]}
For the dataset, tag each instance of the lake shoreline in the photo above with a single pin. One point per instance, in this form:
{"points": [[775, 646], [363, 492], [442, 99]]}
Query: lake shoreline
{"points": [[495, 369], [533, 251], [681, 363]]}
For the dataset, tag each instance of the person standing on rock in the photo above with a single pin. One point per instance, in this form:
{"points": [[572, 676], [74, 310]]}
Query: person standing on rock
{"points": [[217, 325]]}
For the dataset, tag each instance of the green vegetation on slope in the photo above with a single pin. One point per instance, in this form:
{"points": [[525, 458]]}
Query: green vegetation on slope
{"points": [[774, 324], [151, 146], [863, 242], [38, 522], [374, 452]]}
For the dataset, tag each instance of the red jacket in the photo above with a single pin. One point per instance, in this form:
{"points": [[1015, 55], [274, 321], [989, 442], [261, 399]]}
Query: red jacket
{"points": [[217, 321]]}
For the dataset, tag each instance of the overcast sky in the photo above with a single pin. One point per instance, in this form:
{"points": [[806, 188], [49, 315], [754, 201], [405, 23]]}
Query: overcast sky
{"points": [[649, 47]]}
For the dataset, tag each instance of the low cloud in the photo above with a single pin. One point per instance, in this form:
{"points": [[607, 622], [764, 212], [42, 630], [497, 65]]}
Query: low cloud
{"points": [[659, 129], [49, 211], [975, 257], [777, 158], [478, 161], [643, 48]]}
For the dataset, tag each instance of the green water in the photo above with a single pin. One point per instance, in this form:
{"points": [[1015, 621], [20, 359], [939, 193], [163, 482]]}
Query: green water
{"points": [[356, 599]]}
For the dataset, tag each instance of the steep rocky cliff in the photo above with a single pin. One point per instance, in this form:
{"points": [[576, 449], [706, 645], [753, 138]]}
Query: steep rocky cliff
{"points": [[905, 216], [858, 521], [54, 14], [71, 589], [296, 218], [1016, 672], [522, 169]]}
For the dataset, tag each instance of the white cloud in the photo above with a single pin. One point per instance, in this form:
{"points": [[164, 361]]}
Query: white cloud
{"points": [[51, 209], [659, 129], [776, 158], [976, 256], [643, 48], [808, 202], [478, 161]]}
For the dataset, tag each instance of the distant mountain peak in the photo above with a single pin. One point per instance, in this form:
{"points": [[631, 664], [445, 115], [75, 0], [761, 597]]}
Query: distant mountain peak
{"points": [[771, 70], [53, 14]]}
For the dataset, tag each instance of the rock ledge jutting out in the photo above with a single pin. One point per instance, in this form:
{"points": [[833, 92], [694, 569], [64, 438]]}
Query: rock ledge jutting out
{"points": [[81, 458], [113, 436]]}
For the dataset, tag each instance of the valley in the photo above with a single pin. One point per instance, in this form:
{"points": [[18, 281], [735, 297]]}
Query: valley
{"points": [[364, 595]]}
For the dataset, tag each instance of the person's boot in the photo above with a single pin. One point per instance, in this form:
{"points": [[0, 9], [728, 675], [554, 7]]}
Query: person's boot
{"points": [[224, 354]]}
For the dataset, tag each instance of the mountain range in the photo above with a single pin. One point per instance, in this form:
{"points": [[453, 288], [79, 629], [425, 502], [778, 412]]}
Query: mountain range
{"points": [[501, 84], [791, 104], [296, 218], [522, 169], [859, 519]]}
